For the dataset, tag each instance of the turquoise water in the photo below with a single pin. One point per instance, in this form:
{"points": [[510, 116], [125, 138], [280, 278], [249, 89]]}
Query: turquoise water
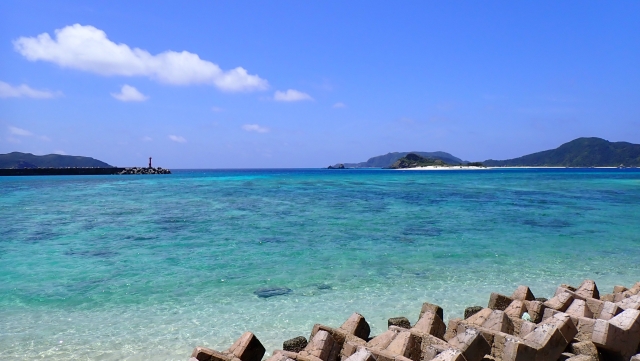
{"points": [[147, 267]]}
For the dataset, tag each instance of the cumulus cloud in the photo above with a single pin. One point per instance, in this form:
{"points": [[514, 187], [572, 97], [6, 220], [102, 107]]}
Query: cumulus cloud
{"points": [[177, 138], [339, 105], [291, 95], [19, 131], [87, 48], [129, 94], [255, 128], [61, 152], [9, 91]]}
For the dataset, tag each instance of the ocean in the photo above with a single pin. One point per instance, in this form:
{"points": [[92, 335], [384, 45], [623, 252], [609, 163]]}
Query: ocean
{"points": [[148, 267]]}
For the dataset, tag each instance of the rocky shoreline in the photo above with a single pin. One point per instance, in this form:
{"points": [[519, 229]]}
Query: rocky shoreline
{"points": [[576, 324]]}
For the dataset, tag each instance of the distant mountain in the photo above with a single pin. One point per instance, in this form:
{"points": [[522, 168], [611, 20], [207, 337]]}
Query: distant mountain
{"points": [[384, 161], [581, 152], [17, 160]]}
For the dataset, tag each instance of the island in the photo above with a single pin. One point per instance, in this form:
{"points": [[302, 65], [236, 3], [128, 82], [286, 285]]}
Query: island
{"points": [[414, 161]]}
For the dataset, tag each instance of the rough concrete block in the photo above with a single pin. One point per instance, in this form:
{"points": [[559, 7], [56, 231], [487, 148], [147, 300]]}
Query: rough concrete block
{"points": [[472, 344], [247, 348], [382, 340], [452, 329], [361, 355], [588, 289], [516, 350], [526, 328], [433, 308], [348, 349], [207, 354], [431, 324], [535, 309], [549, 312], [565, 324], [407, 345], [585, 329], [278, 357], [516, 309], [580, 358], [632, 302], [431, 351], [322, 346], [499, 302], [619, 289], [635, 357], [399, 322], [450, 355], [586, 348], [560, 302], [609, 311], [595, 305], [548, 342], [620, 335], [578, 308], [499, 321], [479, 318], [523, 293], [357, 325]]}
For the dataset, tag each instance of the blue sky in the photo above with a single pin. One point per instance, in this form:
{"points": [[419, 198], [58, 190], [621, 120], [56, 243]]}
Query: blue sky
{"points": [[234, 84]]}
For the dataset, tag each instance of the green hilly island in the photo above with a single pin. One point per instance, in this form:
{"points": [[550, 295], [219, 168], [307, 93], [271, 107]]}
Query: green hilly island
{"points": [[581, 152], [413, 160], [386, 160], [17, 160]]}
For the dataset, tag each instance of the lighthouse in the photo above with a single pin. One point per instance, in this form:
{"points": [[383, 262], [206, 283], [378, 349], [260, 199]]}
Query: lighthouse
{"points": [[150, 162]]}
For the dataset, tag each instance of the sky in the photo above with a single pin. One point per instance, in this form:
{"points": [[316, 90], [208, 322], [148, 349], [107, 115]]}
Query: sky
{"points": [[257, 84]]}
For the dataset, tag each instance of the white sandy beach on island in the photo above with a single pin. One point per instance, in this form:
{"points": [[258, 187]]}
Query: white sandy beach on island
{"points": [[457, 167]]}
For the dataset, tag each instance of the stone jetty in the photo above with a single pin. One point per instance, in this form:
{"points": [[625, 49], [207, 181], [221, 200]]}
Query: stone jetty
{"points": [[576, 324], [144, 170]]}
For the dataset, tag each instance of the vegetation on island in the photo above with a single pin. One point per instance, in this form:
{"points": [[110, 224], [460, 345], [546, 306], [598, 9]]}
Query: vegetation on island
{"points": [[413, 160], [385, 161], [17, 160], [581, 152]]}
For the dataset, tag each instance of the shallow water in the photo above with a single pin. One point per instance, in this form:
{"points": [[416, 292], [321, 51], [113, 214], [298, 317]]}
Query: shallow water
{"points": [[148, 267]]}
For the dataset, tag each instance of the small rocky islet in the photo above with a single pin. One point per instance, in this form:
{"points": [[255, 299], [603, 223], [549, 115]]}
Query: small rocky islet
{"points": [[576, 324]]}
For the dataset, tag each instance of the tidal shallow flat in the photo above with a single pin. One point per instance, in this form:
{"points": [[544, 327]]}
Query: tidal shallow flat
{"points": [[147, 267]]}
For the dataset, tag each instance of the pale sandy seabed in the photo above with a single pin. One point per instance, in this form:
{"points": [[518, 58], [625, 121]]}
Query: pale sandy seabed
{"points": [[489, 168]]}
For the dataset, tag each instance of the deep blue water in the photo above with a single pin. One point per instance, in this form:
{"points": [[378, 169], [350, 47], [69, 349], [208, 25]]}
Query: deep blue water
{"points": [[147, 267]]}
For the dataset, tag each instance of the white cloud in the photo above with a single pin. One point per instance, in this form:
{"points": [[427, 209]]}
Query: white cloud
{"points": [[61, 152], [10, 91], [45, 138], [177, 138], [255, 128], [19, 131], [339, 105], [88, 48], [129, 94], [291, 95], [147, 139], [216, 109]]}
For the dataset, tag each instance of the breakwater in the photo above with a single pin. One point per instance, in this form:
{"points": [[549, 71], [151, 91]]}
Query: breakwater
{"points": [[82, 171], [576, 324]]}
